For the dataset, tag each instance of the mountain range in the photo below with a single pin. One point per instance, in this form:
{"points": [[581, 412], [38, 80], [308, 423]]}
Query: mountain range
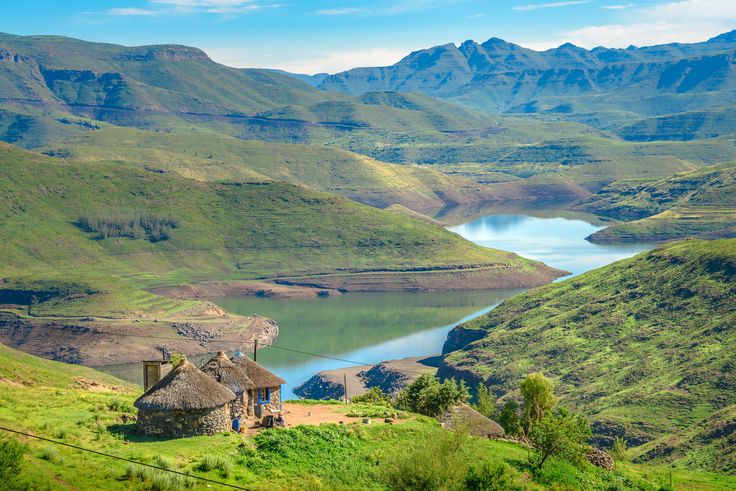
{"points": [[498, 76]]}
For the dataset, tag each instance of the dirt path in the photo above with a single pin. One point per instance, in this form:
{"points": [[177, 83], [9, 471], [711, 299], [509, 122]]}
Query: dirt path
{"points": [[315, 414]]}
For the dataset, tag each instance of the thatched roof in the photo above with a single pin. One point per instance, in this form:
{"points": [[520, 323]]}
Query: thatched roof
{"points": [[464, 416], [185, 388], [259, 375], [221, 369]]}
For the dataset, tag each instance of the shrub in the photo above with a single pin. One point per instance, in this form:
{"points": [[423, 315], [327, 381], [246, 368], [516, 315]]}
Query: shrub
{"points": [[11, 456], [49, 453], [508, 418], [120, 406], [426, 395], [485, 403], [619, 449], [436, 462], [374, 396], [499, 477], [162, 462], [216, 462], [560, 434]]}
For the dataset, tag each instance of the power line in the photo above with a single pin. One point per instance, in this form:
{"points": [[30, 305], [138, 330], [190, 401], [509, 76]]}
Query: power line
{"points": [[17, 432]]}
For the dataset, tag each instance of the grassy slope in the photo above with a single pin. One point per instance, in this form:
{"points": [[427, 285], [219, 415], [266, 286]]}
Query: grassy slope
{"points": [[213, 157], [645, 346], [226, 231], [54, 400], [691, 203]]}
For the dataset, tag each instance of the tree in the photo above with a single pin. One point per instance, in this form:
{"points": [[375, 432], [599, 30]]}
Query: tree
{"points": [[537, 391], [619, 449], [485, 403], [560, 434], [374, 396], [508, 418], [426, 395]]}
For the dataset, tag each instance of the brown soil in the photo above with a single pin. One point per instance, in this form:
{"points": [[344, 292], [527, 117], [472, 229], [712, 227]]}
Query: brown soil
{"points": [[315, 414], [212, 290]]}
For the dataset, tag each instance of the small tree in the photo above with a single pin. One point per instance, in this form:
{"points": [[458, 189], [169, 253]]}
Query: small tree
{"points": [[426, 395], [11, 456], [619, 449], [374, 396], [560, 434], [508, 418], [485, 403], [537, 391]]}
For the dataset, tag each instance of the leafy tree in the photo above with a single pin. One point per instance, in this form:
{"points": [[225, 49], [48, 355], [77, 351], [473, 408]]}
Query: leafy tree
{"points": [[538, 394], [499, 477], [485, 403], [11, 456], [560, 434], [508, 418], [374, 396], [426, 395]]}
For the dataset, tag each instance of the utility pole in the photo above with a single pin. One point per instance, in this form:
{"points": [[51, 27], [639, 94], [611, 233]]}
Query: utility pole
{"points": [[345, 386], [255, 350]]}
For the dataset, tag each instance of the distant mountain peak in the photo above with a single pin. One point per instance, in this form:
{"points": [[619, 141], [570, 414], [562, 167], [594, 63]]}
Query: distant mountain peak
{"points": [[726, 37]]}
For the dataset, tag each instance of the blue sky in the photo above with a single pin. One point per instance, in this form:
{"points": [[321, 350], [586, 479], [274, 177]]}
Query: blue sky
{"points": [[332, 35]]}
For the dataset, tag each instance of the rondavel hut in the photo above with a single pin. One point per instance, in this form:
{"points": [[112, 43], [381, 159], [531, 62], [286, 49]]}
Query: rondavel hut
{"points": [[267, 391], [185, 402], [225, 372]]}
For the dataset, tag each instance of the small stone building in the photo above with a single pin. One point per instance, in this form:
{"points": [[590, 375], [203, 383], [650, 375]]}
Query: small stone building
{"points": [[266, 395], [185, 402], [225, 372]]}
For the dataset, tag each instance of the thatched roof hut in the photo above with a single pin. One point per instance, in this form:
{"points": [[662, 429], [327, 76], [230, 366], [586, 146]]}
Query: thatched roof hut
{"points": [[222, 370], [260, 376], [185, 388], [464, 416]]}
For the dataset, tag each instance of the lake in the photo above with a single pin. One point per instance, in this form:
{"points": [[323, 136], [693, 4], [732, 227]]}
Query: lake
{"points": [[373, 327]]}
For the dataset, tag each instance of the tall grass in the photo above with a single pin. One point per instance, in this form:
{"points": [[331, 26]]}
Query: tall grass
{"points": [[131, 224]]}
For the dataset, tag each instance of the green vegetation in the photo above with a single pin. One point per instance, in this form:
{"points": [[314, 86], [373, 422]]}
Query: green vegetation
{"points": [[561, 434], [426, 395], [643, 346], [485, 403], [539, 399], [687, 204], [133, 225], [52, 400], [224, 231]]}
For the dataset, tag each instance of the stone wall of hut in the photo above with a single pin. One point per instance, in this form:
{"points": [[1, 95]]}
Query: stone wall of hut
{"points": [[239, 407], [184, 423], [275, 404]]}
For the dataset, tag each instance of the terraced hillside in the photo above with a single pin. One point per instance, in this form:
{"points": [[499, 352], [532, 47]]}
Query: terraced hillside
{"points": [[687, 204], [644, 346]]}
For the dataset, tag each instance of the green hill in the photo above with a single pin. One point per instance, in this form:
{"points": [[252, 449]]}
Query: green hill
{"points": [[685, 126], [644, 346], [82, 407], [102, 217], [687, 204]]}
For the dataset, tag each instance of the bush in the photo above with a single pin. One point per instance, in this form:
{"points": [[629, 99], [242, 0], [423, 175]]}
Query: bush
{"points": [[120, 406], [499, 477], [49, 453], [508, 418], [374, 396], [216, 462], [157, 480], [426, 395], [436, 462], [11, 456], [560, 434], [619, 449], [485, 403]]}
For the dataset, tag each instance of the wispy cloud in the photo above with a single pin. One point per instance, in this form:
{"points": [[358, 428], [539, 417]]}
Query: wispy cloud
{"points": [[340, 11], [129, 11], [550, 5], [674, 21], [618, 7]]}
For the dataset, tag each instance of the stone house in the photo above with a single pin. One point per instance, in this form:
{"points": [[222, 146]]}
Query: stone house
{"points": [[266, 394], [185, 402], [225, 372]]}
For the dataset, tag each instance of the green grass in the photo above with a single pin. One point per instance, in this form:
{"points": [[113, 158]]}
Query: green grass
{"points": [[687, 204], [644, 346], [44, 397], [224, 231]]}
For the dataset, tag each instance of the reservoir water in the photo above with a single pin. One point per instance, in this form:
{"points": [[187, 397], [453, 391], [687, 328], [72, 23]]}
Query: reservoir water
{"points": [[373, 327]]}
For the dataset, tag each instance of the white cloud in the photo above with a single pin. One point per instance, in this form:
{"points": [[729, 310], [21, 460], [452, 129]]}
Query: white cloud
{"points": [[330, 62], [618, 7], [131, 12], [551, 5], [679, 21], [340, 11], [204, 3]]}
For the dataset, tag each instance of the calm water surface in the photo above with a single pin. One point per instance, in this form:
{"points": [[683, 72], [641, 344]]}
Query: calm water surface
{"points": [[373, 327]]}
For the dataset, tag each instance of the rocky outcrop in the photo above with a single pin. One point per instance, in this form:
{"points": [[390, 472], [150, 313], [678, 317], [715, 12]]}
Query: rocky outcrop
{"points": [[460, 336], [600, 458]]}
